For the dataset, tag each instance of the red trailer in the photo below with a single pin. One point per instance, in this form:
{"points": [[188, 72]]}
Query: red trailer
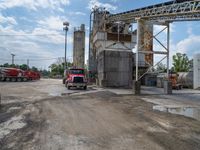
{"points": [[14, 74], [11, 74], [32, 75]]}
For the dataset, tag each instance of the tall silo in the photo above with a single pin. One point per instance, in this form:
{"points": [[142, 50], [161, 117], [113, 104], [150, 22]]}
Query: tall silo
{"points": [[79, 47]]}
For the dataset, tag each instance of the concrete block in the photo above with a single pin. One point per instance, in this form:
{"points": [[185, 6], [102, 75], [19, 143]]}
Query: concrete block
{"points": [[136, 87], [115, 69], [167, 87]]}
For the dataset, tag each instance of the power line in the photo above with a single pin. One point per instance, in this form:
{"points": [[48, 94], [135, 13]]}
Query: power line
{"points": [[39, 59], [43, 59], [52, 34], [29, 34]]}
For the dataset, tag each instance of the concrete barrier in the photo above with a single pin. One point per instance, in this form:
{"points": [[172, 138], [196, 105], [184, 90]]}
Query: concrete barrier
{"points": [[136, 87], [167, 87]]}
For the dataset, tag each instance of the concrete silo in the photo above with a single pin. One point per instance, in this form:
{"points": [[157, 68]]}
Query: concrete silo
{"points": [[79, 47]]}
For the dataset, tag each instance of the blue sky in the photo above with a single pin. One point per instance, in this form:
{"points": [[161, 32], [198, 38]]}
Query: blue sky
{"points": [[32, 17]]}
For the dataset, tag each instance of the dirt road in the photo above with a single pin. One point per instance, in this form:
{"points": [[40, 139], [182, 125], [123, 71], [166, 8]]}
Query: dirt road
{"points": [[35, 116]]}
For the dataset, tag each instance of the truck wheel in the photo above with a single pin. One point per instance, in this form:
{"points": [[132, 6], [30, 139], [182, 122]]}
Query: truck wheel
{"points": [[64, 81], [19, 79], [7, 79], [25, 79], [13, 79], [85, 87]]}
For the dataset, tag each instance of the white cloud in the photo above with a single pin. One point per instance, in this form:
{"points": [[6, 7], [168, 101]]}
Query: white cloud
{"points": [[55, 23], [27, 43], [33, 4], [93, 3], [78, 13], [190, 30], [159, 28], [23, 51], [30, 46], [8, 20], [53, 37], [189, 45], [52, 23]]}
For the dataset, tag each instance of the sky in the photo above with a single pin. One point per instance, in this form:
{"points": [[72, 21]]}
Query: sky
{"points": [[33, 29]]}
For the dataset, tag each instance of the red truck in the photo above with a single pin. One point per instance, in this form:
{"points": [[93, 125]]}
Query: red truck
{"points": [[75, 78], [14, 74], [31, 75]]}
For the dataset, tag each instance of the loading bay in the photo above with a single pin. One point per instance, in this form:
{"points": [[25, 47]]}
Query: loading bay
{"points": [[47, 116]]}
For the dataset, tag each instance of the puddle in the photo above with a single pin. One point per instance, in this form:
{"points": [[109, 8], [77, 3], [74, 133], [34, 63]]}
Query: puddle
{"points": [[191, 112], [55, 94]]}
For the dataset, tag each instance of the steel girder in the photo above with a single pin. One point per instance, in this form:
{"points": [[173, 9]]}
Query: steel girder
{"points": [[169, 11]]}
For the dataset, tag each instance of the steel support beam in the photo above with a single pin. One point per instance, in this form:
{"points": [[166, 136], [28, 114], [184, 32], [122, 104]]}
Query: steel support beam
{"points": [[140, 47], [144, 43], [137, 49], [168, 47]]}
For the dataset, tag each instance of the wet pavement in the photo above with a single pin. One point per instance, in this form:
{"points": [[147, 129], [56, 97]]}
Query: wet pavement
{"points": [[192, 112], [184, 95]]}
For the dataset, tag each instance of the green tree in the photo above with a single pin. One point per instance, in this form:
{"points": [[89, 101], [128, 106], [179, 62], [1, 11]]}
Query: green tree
{"points": [[6, 65], [161, 67], [57, 68], [191, 64], [181, 63], [34, 68], [23, 67], [45, 73]]}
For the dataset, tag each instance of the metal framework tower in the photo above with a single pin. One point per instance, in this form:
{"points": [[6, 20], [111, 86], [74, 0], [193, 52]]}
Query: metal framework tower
{"points": [[161, 14]]}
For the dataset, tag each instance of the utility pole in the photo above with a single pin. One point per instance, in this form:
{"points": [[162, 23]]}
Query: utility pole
{"points": [[65, 28], [13, 57], [27, 64]]}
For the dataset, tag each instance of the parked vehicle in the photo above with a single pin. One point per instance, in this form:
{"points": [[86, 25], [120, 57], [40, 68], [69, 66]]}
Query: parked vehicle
{"points": [[75, 78], [31, 75], [173, 77], [17, 75]]}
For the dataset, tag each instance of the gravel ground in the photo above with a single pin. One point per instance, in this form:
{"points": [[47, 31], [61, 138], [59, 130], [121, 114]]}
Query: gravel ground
{"points": [[44, 115]]}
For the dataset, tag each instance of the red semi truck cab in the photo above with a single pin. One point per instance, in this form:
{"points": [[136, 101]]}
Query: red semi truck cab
{"points": [[75, 78]]}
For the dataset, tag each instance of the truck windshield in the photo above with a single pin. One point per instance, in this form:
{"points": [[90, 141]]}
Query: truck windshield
{"points": [[76, 71]]}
